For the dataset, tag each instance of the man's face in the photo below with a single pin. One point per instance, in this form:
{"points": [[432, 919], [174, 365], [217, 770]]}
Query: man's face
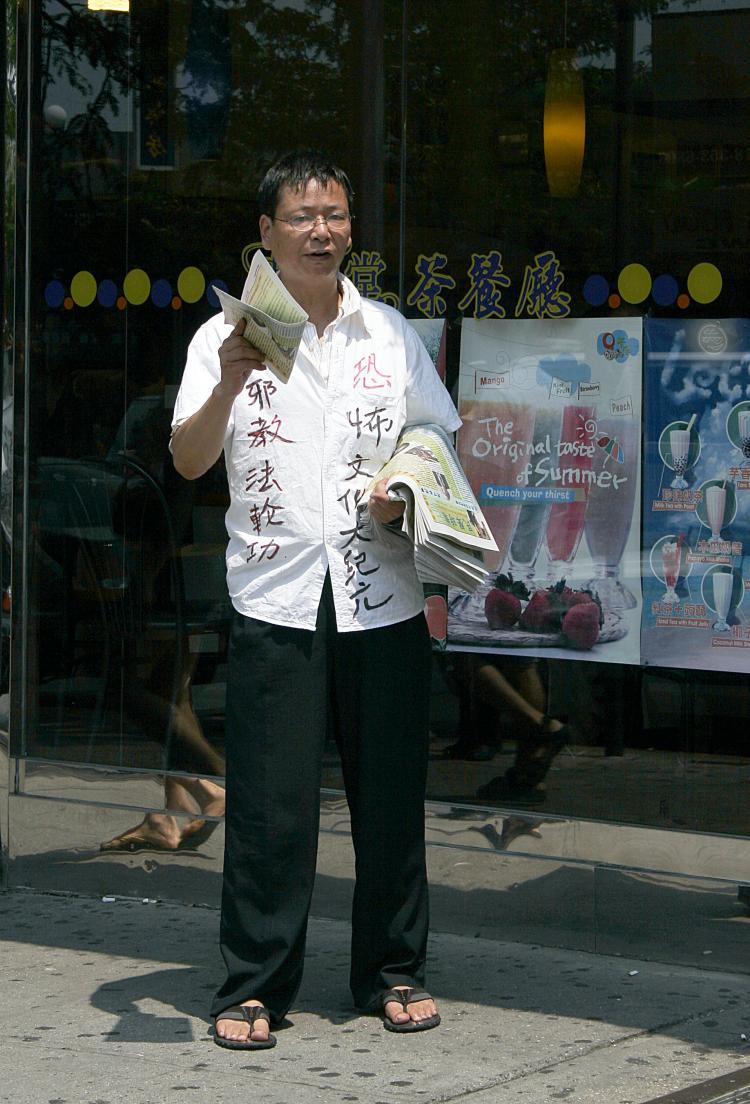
{"points": [[304, 256]]}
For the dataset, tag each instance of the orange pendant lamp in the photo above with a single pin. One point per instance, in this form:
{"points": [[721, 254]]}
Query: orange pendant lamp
{"points": [[564, 124]]}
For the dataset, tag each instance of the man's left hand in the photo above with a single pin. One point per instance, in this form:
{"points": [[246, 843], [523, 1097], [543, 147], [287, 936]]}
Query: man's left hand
{"points": [[381, 507]]}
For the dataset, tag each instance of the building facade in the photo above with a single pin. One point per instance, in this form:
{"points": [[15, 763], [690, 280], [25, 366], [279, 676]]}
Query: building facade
{"points": [[563, 168]]}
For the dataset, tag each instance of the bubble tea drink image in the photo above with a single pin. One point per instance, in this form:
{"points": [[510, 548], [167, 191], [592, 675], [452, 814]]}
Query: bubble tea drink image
{"points": [[532, 518], [679, 446], [716, 503], [493, 448], [609, 514], [565, 523]]}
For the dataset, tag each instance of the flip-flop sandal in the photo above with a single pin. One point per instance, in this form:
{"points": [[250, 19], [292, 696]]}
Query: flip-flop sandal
{"points": [[133, 841], [243, 1013], [406, 997]]}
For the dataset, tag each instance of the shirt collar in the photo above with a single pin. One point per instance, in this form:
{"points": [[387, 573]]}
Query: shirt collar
{"points": [[351, 301]]}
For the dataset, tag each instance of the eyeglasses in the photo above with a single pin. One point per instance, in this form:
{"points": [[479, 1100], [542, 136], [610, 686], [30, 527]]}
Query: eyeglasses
{"points": [[337, 220]]}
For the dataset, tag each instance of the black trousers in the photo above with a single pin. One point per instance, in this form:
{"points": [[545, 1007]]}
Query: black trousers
{"points": [[286, 690]]}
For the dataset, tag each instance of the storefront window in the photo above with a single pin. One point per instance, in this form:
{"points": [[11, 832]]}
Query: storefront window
{"points": [[151, 130]]}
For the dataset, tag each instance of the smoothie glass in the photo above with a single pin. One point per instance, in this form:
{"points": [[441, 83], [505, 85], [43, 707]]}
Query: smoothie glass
{"points": [[743, 424], [493, 446], [532, 516], [716, 501], [565, 522], [609, 514], [723, 582]]}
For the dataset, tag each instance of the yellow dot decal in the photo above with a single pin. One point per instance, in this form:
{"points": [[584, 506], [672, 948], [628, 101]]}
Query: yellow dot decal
{"points": [[634, 283], [704, 282], [136, 286], [191, 284], [83, 289]]}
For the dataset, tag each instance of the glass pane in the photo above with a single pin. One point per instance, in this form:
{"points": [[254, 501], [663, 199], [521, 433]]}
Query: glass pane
{"points": [[664, 163], [153, 131]]}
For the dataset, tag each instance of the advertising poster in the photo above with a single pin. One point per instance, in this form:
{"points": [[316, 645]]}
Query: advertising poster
{"points": [[550, 441], [696, 494], [432, 333]]}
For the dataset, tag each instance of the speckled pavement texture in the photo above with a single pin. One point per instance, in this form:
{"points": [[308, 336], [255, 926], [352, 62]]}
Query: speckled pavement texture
{"points": [[104, 1003]]}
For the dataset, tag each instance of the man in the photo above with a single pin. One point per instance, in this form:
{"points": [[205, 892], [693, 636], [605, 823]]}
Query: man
{"points": [[329, 634]]}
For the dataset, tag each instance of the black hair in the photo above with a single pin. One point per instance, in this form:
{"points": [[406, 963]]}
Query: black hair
{"points": [[295, 171]]}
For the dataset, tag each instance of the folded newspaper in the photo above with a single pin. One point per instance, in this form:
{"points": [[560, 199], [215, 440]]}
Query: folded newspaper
{"points": [[274, 321], [442, 517]]}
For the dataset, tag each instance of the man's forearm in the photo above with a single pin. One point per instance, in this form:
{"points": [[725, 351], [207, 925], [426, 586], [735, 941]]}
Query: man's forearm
{"points": [[198, 443]]}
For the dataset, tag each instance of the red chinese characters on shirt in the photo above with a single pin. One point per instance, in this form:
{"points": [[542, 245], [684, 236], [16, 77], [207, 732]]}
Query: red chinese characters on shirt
{"points": [[369, 377]]}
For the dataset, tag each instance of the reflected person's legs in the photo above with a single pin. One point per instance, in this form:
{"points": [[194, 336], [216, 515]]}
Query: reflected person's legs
{"points": [[517, 686], [163, 831]]}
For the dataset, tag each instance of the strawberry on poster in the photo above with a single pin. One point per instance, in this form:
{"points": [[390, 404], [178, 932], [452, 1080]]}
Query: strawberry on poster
{"points": [[696, 494], [550, 442]]}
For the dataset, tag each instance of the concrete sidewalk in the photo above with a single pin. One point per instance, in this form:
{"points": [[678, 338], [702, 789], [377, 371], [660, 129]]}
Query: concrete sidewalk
{"points": [[104, 1003]]}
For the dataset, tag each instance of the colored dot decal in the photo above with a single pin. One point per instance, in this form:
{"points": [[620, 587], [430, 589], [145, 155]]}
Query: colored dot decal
{"points": [[211, 294], [54, 293], [596, 290], [122, 302], [136, 286], [176, 303], [107, 293], [68, 303], [83, 289], [614, 301], [191, 283], [634, 283], [161, 293], [664, 291], [683, 301], [704, 282]]}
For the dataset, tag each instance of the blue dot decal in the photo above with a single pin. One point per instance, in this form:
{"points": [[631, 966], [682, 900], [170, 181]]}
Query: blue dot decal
{"points": [[161, 293], [596, 290], [106, 293], [54, 293], [664, 290], [211, 294]]}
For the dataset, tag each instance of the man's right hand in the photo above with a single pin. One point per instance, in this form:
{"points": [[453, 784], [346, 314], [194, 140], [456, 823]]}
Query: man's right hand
{"points": [[238, 359]]}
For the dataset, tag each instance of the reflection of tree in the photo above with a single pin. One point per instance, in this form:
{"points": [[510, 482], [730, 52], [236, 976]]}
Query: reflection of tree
{"points": [[70, 35], [92, 55]]}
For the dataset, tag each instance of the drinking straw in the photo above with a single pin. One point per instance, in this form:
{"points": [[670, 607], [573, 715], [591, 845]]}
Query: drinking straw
{"points": [[690, 423]]}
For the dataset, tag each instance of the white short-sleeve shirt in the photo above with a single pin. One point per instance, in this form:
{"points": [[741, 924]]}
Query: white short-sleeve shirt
{"points": [[300, 457]]}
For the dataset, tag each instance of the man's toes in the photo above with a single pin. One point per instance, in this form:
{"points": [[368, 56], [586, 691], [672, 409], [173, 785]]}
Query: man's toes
{"points": [[422, 1010], [395, 1012], [230, 1029]]}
